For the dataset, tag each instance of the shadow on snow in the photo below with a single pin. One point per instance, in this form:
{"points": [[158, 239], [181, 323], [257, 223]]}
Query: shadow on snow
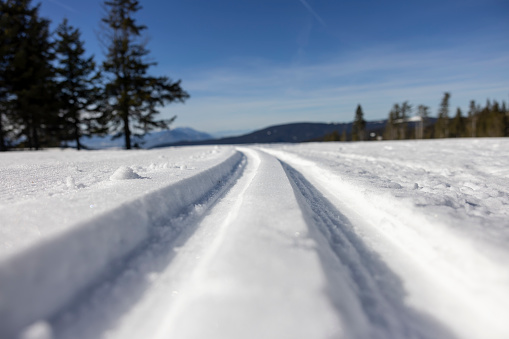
{"points": [[379, 291], [98, 308]]}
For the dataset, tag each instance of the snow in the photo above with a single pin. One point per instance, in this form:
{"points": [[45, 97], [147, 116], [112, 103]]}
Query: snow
{"points": [[39, 330], [124, 173], [402, 239]]}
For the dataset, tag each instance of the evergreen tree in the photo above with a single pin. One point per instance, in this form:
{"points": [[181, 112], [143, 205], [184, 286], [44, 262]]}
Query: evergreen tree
{"points": [[491, 122], [488, 104], [4, 113], [497, 121], [334, 136], [472, 116], [390, 132], [458, 127], [6, 55], [132, 95], [505, 113], [442, 124], [27, 87], [4, 123], [406, 110], [359, 125], [343, 135], [423, 113], [78, 85]]}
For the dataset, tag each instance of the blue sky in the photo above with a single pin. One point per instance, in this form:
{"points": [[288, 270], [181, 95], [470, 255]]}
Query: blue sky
{"points": [[251, 64]]}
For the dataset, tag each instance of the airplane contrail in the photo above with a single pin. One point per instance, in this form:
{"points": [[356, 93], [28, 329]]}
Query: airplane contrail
{"points": [[69, 8], [310, 10]]}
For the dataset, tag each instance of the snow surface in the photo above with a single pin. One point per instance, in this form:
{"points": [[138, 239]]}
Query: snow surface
{"points": [[322, 240]]}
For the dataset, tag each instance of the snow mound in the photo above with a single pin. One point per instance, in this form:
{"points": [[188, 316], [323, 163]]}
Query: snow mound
{"points": [[124, 173], [38, 330]]}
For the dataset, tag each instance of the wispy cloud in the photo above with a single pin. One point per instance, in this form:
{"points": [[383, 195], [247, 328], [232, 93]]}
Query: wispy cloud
{"points": [[258, 94], [312, 11], [64, 6]]}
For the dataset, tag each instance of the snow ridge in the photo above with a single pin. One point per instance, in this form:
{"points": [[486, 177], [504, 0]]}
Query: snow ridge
{"points": [[378, 309], [37, 282], [442, 270]]}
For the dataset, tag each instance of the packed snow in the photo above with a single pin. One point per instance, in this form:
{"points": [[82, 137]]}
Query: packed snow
{"points": [[397, 239]]}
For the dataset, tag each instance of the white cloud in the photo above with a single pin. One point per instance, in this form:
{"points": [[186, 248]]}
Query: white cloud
{"points": [[258, 94]]}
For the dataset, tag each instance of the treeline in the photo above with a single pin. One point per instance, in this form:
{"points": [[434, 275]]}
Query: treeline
{"points": [[405, 122], [52, 93]]}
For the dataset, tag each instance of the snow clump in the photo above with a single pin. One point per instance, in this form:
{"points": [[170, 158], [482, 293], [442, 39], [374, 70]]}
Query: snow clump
{"points": [[124, 173], [38, 330]]}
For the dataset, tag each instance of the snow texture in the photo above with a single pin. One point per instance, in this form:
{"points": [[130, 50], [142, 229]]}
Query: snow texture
{"points": [[124, 173], [401, 239]]}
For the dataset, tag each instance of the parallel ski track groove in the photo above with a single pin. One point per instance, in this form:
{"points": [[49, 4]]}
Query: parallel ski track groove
{"points": [[379, 290], [154, 254], [162, 233]]}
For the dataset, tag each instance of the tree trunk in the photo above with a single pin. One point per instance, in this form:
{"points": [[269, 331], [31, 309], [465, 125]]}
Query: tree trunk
{"points": [[35, 138], [3, 146], [77, 137], [127, 131]]}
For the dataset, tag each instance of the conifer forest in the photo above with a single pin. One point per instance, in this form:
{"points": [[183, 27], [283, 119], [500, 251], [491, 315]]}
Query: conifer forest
{"points": [[51, 91]]}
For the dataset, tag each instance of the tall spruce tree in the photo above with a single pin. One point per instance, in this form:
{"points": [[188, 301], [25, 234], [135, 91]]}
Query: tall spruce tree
{"points": [[505, 112], [359, 125], [6, 58], [132, 95], [458, 127], [79, 91], [490, 121], [472, 116], [442, 123], [4, 113], [27, 83]]}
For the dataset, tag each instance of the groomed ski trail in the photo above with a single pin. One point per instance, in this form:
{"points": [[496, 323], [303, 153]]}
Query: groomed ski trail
{"points": [[319, 280], [427, 259], [272, 245]]}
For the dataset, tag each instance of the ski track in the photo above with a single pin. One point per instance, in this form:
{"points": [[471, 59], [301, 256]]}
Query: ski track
{"points": [[380, 293], [188, 263]]}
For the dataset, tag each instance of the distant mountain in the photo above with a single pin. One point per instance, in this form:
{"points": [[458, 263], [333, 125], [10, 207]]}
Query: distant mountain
{"points": [[291, 133], [151, 140], [231, 133], [173, 136]]}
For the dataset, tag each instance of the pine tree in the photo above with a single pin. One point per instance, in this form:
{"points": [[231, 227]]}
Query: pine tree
{"points": [[423, 113], [496, 121], [343, 135], [458, 127], [359, 125], [334, 136], [28, 89], [4, 113], [132, 95], [442, 124], [505, 113], [78, 85], [472, 116], [390, 132], [406, 110], [6, 56]]}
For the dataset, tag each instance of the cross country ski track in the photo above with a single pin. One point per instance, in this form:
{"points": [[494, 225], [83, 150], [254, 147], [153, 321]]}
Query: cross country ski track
{"points": [[273, 246]]}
